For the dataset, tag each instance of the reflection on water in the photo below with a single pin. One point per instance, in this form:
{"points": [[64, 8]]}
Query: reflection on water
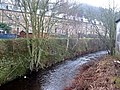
{"points": [[53, 79]]}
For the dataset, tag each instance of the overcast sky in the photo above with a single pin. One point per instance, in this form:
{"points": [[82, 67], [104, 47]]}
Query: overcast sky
{"points": [[100, 3]]}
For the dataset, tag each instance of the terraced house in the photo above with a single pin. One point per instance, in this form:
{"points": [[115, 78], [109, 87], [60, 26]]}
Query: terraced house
{"points": [[69, 25]]}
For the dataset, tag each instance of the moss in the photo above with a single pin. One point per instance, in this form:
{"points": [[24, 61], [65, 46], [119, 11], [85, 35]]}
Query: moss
{"points": [[117, 55], [116, 81], [12, 67]]}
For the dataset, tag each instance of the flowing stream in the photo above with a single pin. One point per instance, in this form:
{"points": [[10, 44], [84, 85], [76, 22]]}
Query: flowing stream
{"points": [[55, 78]]}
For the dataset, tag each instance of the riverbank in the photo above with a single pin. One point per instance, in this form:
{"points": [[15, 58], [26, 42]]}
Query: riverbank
{"points": [[103, 74], [53, 78], [15, 60]]}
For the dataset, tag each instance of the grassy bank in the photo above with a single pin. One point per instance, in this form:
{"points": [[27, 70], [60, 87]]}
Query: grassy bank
{"points": [[15, 60]]}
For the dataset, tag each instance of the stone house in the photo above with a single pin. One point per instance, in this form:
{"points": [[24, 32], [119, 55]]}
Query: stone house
{"points": [[71, 26]]}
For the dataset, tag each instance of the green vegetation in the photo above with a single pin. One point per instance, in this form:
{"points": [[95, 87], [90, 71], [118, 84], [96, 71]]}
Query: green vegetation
{"points": [[116, 81], [39, 25], [5, 27], [15, 59]]}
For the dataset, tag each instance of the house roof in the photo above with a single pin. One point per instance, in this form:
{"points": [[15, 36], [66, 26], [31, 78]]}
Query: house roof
{"points": [[117, 21]]}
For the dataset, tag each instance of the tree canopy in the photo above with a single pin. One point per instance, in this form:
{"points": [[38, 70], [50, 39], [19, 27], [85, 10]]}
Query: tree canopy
{"points": [[5, 27]]}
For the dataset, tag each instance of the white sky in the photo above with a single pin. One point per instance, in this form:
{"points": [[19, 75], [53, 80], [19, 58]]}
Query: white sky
{"points": [[100, 3]]}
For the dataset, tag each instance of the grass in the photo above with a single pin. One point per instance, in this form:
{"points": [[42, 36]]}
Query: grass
{"points": [[116, 81]]}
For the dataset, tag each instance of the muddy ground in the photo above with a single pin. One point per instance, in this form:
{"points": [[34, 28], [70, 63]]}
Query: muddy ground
{"points": [[103, 74]]}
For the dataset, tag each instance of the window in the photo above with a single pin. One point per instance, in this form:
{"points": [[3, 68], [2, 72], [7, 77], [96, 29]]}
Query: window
{"points": [[9, 16], [1, 32], [18, 18]]}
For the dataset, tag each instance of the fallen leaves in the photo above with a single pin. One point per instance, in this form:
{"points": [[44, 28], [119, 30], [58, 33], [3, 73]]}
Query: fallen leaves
{"points": [[96, 75]]}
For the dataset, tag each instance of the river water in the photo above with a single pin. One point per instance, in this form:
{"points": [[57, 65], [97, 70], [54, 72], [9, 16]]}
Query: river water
{"points": [[55, 78]]}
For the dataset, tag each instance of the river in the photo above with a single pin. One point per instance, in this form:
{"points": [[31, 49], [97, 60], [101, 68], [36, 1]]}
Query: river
{"points": [[56, 78]]}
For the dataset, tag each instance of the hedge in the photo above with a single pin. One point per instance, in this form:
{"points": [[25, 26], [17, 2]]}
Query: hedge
{"points": [[14, 57]]}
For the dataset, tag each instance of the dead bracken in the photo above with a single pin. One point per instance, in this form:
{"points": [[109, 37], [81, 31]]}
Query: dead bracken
{"points": [[98, 75]]}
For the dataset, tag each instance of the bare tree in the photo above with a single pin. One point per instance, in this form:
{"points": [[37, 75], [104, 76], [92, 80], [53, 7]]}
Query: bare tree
{"points": [[107, 17], [38, 17]]}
